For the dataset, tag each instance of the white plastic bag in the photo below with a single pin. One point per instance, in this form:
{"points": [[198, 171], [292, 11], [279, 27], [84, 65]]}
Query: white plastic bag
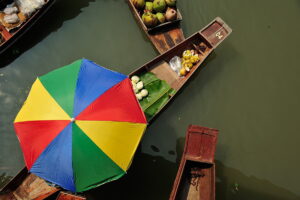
{"points": [[11, 19], [28, 7], [175, 64], [10, 10]]}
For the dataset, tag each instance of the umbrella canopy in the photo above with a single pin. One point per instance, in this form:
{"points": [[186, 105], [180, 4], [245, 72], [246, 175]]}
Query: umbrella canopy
{"points": [[80, 126]]}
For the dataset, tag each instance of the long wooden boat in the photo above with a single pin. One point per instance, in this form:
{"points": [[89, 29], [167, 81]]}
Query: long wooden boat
{"points": [[195, 178], [10, 37], [164, 36], [204, 41], [27, 186]]}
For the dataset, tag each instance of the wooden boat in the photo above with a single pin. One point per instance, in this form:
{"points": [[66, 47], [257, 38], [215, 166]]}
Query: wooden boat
{"points": [[163, 36], [195, 178], [204, 41], [10, 37], [68, 196], [27, 186]]}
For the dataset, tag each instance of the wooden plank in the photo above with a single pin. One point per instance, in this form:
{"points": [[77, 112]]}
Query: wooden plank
{"points": [[201, 144], [166, 40], [208, 179], [216, 32], [27, 186], [163, 71], [16, 181], [68, 196], [33, 187]]}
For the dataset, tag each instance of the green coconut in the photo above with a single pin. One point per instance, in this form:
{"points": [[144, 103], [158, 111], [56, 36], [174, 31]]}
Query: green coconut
{"points": [[138, 4], [159, 5], [149, 6], [149, 19], [160, 17], [171, 3]]}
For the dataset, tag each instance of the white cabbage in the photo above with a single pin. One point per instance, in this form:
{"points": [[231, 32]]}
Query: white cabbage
{"points": [[28, 7]]}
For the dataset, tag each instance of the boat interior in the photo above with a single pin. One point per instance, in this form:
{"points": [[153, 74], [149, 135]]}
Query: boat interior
{"points": [[197, 181], [160, 65]]}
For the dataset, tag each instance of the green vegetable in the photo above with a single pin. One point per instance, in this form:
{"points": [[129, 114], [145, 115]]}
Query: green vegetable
{"points": [[156, 90], [159, 94], [148, 78], [155, 108]]}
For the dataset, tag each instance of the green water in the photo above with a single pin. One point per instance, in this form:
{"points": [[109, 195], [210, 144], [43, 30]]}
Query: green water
{"points": [[248, 89]]}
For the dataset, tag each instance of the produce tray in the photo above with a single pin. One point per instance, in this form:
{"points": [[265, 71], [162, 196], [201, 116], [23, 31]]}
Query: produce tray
{"points": [[159, 27]]}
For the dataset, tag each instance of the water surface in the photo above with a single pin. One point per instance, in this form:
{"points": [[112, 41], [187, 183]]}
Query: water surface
{"points": [[248, 89]]}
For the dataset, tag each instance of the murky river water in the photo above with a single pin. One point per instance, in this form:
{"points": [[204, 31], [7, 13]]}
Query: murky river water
{"points": [[249, 90]]}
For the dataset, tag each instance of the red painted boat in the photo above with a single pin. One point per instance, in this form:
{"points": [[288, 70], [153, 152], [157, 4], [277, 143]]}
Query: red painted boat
{"points": [[195, 179]]}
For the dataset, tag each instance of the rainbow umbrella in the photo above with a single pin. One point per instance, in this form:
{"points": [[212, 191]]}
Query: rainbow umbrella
{"points": [[80, 126]]}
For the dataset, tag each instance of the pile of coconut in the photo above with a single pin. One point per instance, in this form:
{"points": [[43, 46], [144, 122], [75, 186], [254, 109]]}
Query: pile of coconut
{"points": [[156, 11]]}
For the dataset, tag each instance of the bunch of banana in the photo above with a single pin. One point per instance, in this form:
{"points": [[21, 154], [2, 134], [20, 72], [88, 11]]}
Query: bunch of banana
{"points": [[189, 58]]}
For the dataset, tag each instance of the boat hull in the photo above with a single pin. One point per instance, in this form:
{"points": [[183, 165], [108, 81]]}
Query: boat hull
{"points": [[195, 179], [204, 42]]}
